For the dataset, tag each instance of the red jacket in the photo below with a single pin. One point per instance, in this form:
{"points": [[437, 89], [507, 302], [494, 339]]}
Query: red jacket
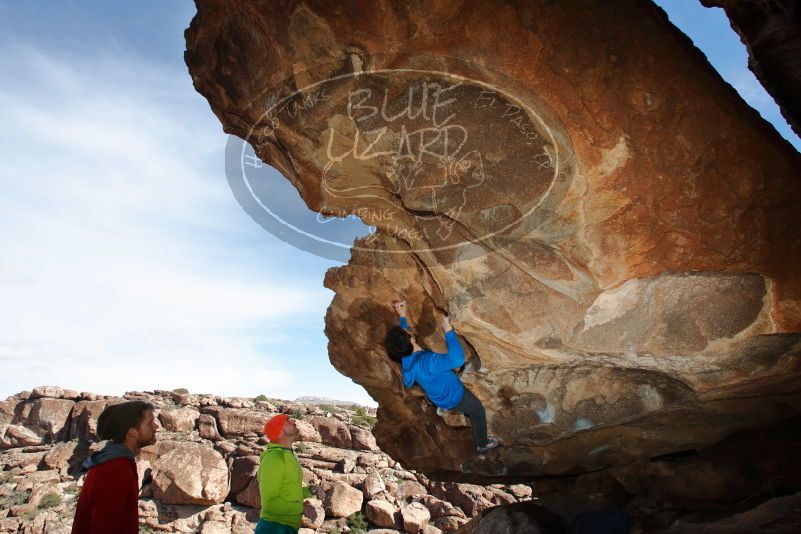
{"points": [[109, 500]]}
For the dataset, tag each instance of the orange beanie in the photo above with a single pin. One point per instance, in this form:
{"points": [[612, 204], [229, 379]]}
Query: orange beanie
{"points": [[272, 428]]}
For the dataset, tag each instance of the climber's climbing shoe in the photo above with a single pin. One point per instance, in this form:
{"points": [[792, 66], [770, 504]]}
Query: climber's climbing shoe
{"points": [[492, 442]]}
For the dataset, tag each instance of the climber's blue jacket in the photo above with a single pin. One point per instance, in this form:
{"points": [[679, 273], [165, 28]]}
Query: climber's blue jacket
{"points": [[434, 371]]}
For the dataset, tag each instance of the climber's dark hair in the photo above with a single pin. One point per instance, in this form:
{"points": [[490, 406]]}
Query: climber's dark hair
{"points": [[398, 343]]}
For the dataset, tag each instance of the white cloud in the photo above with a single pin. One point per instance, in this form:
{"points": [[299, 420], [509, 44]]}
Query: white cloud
{"points": [[126, 263]]}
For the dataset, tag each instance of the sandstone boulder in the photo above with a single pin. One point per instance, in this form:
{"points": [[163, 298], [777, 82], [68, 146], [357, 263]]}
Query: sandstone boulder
{"points": [[214, 527], [83, 419], [332, 431], [439, 508], [382, 513], [415, 516], [362, 439], [54, 392], [342, 500], [207, 427], [18, 436], [190, 474], [471, 498], [408, 490], [307, 432], [7, 411], [313, 514], [613, 238], [527, 519], [59, 456], [238, 422], [48, 417], [373, 484], [243, 470], [250, 496], [180, 420]]}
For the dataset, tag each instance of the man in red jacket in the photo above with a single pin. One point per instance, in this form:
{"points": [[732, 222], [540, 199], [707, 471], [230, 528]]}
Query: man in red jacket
{"points": [[109, 500]]}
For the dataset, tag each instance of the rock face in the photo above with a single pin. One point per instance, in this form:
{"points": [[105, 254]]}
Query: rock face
{"points": [[48, 417], [181, 420], [83, 421], [771, 31], [190, 474], [343, 500], [611, 228]]}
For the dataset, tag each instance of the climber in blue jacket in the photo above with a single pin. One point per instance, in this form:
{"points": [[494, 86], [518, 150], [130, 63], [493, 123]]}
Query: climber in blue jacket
{"points": [[435, 374]]}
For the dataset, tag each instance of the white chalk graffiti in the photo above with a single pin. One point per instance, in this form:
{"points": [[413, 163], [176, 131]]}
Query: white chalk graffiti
{"points": [[428, 162], [411, 125]]}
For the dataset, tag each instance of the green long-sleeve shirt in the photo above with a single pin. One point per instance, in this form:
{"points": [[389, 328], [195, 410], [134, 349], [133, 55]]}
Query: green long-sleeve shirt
{"points": [[281, 486]]}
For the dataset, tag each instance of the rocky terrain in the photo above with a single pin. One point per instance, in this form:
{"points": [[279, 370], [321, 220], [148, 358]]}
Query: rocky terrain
{"points": [[200, 475]]}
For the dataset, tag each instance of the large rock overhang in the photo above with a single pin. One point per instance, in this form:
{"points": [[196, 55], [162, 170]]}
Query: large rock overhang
{"points": [[613, 230]]}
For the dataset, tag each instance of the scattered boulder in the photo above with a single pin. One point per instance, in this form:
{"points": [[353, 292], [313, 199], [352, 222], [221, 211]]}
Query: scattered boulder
{"points": [[373, 484], [7, 411], [190, 474], [238, 422], [313, 514], [54, 392], [180, 420], [83, 419], [410, 489], [47, 417], [342, 500], [521, 491], [243, 470], [215, 527], [415, 516], [307, 432], [471, 498], [18, 436], [362, 439], [59, 456], [332, 431], [439, 508], [207, 427], [382, 513], [250, 496]]}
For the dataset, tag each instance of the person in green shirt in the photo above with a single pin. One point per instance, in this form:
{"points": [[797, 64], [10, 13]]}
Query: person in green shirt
{"points": [[280, 480]]}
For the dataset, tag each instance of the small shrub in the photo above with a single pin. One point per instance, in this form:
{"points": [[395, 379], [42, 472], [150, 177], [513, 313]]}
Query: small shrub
{"points": [[297, 414], [366, 421], [361, 412], [301, 447], [15, 499], [49, 500], [260, 398], [330, 408], [72, 490], [30, 515], [182, 391], [357, 523]]}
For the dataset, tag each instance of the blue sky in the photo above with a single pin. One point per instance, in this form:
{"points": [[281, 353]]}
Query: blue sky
{"points": [[127, 263]]}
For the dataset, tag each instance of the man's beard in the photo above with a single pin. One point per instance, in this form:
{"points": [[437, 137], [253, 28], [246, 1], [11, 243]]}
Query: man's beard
{"points": [[145, 443]]}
